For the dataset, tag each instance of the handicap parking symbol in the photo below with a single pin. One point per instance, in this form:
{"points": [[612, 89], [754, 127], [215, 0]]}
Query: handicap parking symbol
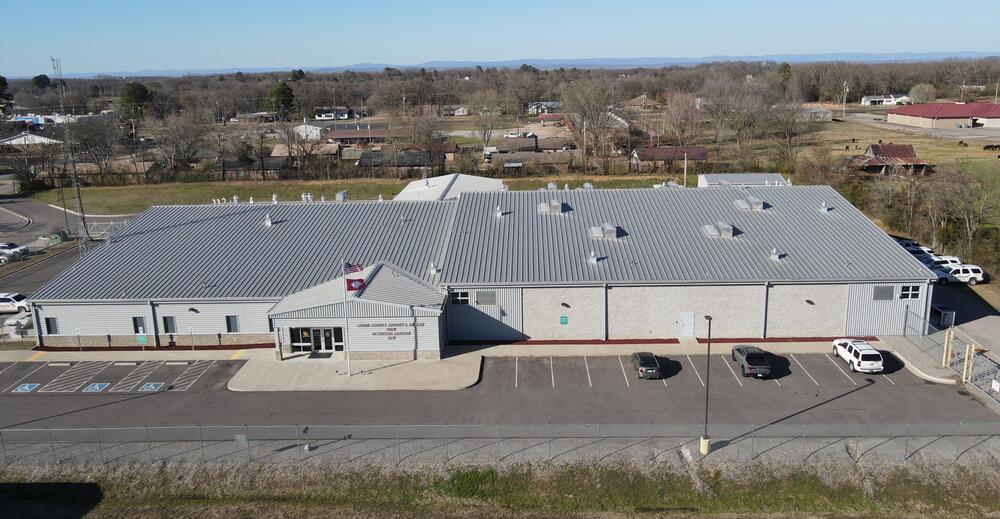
{"points": [[96, 387], [151, 386], [25, 388]]}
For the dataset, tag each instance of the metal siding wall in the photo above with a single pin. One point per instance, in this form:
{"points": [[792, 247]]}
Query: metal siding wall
{"points": [[472, 322], [211, 317], [865, 316], [96, 319], [358, 309], [359, 338]]}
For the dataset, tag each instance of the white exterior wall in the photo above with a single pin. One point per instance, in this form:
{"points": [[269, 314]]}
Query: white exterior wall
{"points": [[989, 123], [582, 307], [654, 312], [476, 322], [307, 132], [375, 333], [95, 318], [866, 316], [806, 310], [210, 318]]}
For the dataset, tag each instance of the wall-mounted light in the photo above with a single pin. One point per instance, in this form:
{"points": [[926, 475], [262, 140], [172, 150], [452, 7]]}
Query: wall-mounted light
{"points": [[565, 305], [193, 310], [810, 302]]}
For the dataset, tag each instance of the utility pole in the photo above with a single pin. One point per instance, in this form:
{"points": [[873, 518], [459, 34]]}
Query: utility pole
{"points": [[843, 105], [705, 446], [996, 94]]}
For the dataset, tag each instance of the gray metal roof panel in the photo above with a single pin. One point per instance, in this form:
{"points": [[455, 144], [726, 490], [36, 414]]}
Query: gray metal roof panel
{"points": [[744, 179], [662, 239], [226, 251]]}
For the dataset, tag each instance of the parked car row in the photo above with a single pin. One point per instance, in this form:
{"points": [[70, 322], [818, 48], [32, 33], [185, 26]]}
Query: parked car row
{"points": [[10, 251], [13, 303], [948, 269]]}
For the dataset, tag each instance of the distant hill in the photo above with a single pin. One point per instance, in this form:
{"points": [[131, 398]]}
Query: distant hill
{"points": [[549, 64]]}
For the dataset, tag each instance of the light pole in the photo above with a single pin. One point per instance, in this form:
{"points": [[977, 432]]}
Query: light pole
{"points": [[706, 441]]}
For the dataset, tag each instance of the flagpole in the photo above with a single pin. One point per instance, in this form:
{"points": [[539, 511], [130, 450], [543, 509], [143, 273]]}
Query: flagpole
{"points": [[347, 341]]}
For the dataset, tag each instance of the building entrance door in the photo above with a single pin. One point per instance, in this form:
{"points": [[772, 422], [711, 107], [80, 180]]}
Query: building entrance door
{"points": [[686, 322], [330, 340]]}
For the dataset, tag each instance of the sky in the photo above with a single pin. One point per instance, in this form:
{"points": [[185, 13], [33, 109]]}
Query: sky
{"points": [[119, 35]]}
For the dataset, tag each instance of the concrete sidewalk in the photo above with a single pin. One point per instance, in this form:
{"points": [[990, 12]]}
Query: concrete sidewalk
{"points": [[150, 354]]}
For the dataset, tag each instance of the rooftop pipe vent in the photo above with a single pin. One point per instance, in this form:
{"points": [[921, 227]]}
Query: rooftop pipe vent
{"points": [[777, 256], [826, 208]]}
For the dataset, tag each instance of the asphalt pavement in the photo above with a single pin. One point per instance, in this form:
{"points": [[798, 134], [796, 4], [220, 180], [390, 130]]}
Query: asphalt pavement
{"points": [[807, 389]]}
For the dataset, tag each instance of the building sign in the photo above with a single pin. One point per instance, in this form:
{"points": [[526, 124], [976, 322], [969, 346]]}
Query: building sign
{"points": [[389, 331], [143, 340], [563, 319]]}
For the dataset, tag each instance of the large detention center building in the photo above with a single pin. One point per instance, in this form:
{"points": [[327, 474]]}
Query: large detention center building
{"points": [[574, 265]]}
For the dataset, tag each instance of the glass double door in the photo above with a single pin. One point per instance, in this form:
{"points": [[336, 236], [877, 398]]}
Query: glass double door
{"points": [[327, 339]]}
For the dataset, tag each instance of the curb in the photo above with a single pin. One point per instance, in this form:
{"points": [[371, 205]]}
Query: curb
{"points": [[921, 375], [28, 221], [89, 215]]}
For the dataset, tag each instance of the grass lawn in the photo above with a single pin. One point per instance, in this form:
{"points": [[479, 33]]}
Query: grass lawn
{"points": [[134, 199]]}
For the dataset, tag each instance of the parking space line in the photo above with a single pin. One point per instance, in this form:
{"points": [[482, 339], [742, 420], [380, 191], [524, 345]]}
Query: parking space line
{"points": [[723, 357], [663, 380], [695, 370], [15, 384], [776, 381], [587, 365], [74, 378], [804, 370], [515, 372], [136, 376], [840, 370], [8, 367], [552, 372], [627, 384], [191, 375], [889, 379]]}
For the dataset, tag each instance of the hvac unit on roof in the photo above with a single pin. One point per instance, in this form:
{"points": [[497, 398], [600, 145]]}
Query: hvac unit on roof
{"points": [[588, 185], [552, 186], [609, 231], [553, 206], [750, 203], [719, 229], [341, 196]]}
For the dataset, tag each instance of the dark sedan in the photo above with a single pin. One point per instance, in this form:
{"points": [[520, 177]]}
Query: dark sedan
{"points": [[646, 365]]}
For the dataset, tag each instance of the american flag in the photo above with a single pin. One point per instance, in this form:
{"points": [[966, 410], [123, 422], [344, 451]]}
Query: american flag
{"points": [[349, 268]]}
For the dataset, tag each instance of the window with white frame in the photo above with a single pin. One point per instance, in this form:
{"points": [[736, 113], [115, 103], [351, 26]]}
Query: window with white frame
{"points": [[909, 292], [459, 298]]}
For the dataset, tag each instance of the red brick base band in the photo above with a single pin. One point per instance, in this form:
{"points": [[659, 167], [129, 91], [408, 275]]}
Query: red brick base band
{"points": [[197, 347], [542, 342], [730, 340]]}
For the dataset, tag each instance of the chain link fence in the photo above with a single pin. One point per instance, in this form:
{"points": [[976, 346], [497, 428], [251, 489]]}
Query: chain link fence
{"points": [[503, 444], [949, 347]]}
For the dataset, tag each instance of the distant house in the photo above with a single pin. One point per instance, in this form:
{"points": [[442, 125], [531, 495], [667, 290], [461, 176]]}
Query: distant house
{"points": [[888, 100], [312, 130], [642, 102], [742, 180], [557, 161], [323, 149], [947, 115], [552, 119], [889, 159], [651, 158], [26, 142], [362, 135], [448, 187], [814, 114], [454, 110], [544, 107]]}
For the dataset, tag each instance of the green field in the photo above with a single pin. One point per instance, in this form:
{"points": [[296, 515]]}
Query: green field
{"points": [[137, 198]]}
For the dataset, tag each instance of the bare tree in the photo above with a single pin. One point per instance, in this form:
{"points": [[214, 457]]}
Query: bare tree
{"points": [[786, 125], [300, 149], [592, 101], [177, 139], [684, 118], [718, 93], [938, 204], [221, 137], [923, 93], [975, 203], [100, 139], [484, 107]]}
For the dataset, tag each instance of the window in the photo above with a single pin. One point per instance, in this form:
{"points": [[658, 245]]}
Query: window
{"points": [[459, 298], [169, 324], [139, 325], [486, 297], [51, 326], [232, 324], [883, 293], [910, 292]]}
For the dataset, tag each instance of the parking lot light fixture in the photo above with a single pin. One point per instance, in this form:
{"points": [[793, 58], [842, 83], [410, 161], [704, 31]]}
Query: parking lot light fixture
{"points": [[705, 445]]}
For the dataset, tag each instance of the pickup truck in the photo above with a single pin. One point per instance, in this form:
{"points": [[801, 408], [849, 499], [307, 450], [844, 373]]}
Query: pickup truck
{"points": [[752, 361]]}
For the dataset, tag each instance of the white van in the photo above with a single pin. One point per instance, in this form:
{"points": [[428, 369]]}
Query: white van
{"points": [[859, 355]]}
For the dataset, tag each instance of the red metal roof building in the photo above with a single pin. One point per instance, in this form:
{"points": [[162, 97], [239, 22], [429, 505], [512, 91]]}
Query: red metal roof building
{"points": [[890, 159], [947, 115]]}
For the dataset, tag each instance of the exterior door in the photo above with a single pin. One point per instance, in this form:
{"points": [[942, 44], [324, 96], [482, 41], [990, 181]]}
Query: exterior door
{"points": [[327, 339], [686, 322], [317, 339]]}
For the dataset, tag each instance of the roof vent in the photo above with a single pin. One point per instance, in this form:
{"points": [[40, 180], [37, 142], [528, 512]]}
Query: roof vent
{"points": [[588, 185], [236, 199], [777, 256], [267, 220], [593, 258], [725, 230], [380, 199], [596, 233], [609, 231], [825, 208], [710, 230], [552, 186], [433, 269], [750, 203], [341, 196], [498, 212], [274, 198]]}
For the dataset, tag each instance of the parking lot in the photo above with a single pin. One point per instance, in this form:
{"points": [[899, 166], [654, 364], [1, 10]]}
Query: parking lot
{"points": [[108, 377]]}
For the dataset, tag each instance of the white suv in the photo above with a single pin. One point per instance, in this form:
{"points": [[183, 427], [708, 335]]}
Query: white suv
{"points": [[970, 274], [859, 355], [935, 261], [13, 303]]}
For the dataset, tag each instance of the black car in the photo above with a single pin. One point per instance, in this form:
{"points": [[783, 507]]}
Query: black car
{"points": [[752, 360], [646, 365]]}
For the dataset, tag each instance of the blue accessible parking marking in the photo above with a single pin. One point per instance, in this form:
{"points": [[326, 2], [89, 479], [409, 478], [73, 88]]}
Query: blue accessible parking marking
{"points": [[26, 388], [151, 386], [96, 387]]}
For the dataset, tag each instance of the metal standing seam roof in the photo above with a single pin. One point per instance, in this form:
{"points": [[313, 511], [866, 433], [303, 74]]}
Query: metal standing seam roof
{"points": [[226, 251], [662, 239], [446, 187], [744, 179]]}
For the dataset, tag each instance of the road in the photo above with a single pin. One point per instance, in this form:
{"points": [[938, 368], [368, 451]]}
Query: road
{"points": [[809, 389], [37, 274]]}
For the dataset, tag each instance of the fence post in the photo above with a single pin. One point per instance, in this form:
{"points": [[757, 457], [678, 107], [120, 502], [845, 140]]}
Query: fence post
{"points": [[906, 444], [100, 446], [52, 447], [246, 433], [499, 448], [201, 444], [970, 361], [297, 447], [149, 452], [399, 453], [946, 353], [752, 449], [548, 439], [3, 444]]}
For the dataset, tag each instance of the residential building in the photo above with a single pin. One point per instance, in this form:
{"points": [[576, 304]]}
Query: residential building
{"points": [[887, 100]]}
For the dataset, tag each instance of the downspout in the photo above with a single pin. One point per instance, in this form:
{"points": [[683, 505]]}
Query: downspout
{"points": [[416, 341], [39, 341], [607, 334], [156, 327], [767, 297]]}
